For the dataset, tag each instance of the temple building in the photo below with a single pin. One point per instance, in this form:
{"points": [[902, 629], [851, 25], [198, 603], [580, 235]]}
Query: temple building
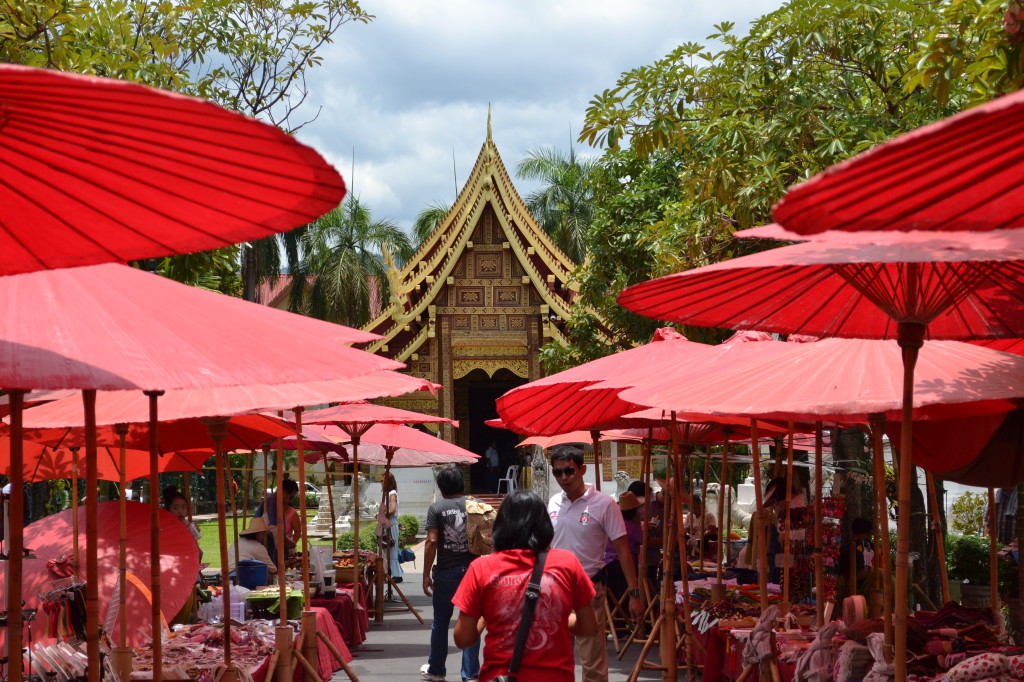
{"points": [[472, 308]]}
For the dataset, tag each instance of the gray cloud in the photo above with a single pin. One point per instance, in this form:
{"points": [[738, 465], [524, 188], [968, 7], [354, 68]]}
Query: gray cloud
{"points": [[408, 89]]}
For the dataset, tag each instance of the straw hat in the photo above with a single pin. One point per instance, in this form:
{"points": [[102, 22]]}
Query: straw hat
{"points": [[629, 500], [257, 525]]}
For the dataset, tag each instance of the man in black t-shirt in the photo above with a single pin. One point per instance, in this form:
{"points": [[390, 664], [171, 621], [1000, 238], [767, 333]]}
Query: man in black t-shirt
{"points": [[448, 542]]}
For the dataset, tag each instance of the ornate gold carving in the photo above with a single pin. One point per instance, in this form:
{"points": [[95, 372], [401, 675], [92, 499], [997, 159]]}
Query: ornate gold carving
{"points": [[488, 265], [461, 322], [517, 322], [489, 351], [463, 366], [504, 296], [469, 295], [488, 321]]}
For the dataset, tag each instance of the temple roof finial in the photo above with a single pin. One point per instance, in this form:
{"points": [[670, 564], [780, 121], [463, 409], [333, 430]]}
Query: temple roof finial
{"points": [[489, 139]]}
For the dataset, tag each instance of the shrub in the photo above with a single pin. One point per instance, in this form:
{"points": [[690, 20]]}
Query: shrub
{"points": [[967, 558], [367, 539], [408, 528], [968, 515], [312, 501]]}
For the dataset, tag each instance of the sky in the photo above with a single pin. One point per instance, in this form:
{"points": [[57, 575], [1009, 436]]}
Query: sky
{"points": [[410, 89]]}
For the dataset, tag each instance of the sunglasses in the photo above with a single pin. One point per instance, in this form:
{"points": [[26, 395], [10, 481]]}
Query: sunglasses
{"points": [[567, 471]]}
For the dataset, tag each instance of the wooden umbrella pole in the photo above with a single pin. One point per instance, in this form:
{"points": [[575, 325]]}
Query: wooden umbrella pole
{"points": [[758, 527], [595, 436], [280, 533], [787, 546], [304, 531], [218, 429], [16, 541], [877, 422], [92, 565], [329, 469], [668, 625], [355, 435], [940, 541], [75, 472], [122, 573], [910, 339], [250, 461], [231, 492], [154, 531], [703, 507], [1020, 543], [819, 562], [719, 569], [645, 476], [283, 635], [993, 549], [684, 568]]}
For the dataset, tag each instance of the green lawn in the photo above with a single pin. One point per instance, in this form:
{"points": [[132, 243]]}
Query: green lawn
{"points": [[211, 548]]}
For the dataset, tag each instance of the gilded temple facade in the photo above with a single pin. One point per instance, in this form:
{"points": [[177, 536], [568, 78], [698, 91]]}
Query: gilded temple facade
{"points": [[471, 310]]}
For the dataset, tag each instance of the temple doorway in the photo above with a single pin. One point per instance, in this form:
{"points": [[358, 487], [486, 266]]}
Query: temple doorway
{"points": [[475, 396]]}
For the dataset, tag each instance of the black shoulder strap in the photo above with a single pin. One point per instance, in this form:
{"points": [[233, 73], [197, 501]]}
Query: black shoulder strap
{"points": [[529, 604]]}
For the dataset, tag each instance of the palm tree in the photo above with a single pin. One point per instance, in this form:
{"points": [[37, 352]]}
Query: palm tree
{"points": [[428, 220], [563, 206], [341, 260]]}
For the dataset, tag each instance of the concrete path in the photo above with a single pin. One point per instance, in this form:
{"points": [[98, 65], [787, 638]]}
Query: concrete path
{"points": [[396, 648]]}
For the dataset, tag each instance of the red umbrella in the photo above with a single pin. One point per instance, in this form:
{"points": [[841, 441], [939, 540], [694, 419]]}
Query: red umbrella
{"points": [[960, 289], [908, 288], [355, 419], [50, 538], [556, 404], [43, 463], [545, 442], [845, 380], [385, 444], [98, 170], [243, 432], [961, 173], [111, 327]]}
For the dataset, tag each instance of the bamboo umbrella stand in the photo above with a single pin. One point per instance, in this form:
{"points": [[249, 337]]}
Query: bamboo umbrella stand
{"points": [[307, 635], [877, 424], [595, 437]]}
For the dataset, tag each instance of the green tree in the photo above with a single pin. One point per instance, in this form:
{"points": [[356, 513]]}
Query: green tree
{"points": [[701, 143], [563, 205], [428, 220], [968, 516], [343, 257], [251, 57]]}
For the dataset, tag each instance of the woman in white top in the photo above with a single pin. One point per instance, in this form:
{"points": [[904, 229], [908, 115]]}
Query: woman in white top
{"points": [[391, 515]]}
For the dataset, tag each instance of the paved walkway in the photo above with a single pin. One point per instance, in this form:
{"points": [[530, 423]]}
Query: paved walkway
{"points": [[396, 648]]}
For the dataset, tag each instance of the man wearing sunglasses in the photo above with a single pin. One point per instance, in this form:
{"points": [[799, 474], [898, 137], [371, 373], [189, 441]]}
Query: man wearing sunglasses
{"points": [[585, 519]]}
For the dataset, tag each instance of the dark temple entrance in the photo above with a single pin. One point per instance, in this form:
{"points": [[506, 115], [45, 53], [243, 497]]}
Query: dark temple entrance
{"points": [[475, 396]]}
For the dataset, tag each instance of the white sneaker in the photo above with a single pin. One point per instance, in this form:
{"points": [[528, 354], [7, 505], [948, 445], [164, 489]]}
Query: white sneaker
{"points": [[427, 675]]}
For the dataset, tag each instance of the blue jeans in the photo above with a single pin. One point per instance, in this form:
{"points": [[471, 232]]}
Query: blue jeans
{"points": [[446, 582]]}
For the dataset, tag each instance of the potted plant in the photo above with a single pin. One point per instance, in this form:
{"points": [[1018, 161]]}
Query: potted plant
{"points": [[967, 563]]}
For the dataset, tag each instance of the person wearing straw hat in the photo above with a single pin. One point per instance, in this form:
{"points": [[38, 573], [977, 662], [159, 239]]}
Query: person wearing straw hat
{"points": [[252, 545]]}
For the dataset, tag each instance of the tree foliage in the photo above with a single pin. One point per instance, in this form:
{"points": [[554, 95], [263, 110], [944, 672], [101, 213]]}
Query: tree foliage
{"points": [[703, 142], [342, 258], [251, 57], [428, 220], [968, 517], [564, 204]]}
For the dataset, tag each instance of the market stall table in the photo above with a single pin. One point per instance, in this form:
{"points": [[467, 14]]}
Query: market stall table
{"points": [[340, 608]]}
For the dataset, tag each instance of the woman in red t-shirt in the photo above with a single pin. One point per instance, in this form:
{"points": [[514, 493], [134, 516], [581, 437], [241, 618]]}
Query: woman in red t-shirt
{"points": [[491, 595]]}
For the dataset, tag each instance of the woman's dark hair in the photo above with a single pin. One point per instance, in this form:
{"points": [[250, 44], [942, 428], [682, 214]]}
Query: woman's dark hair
{"points": [[775, 491], [289, 486], [171, 495], [638, 488], [522, 523], [450, 481], [390, 483], [630, 514]]}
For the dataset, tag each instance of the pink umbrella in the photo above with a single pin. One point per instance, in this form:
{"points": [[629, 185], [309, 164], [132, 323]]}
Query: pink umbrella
{"points": [[385, 444], [48, 464], [111, 327], [178, 564], [962, 173], [98, 170]]}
